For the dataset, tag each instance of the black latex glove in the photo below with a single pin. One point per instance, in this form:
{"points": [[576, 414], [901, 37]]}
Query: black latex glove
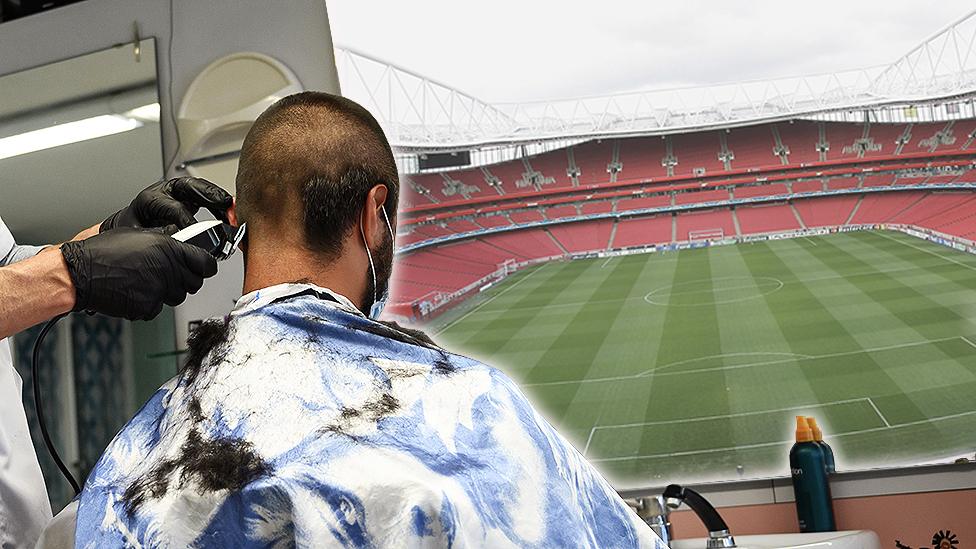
{"points": [[131, 273], [172, 202]]}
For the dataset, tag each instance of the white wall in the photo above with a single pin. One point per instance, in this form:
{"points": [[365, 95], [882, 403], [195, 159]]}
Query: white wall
{"points": [[293, 31], [296, 32]]}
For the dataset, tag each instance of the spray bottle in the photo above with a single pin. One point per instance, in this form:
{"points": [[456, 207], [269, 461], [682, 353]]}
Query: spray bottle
{"points": [[827, 450], [808, 467]]}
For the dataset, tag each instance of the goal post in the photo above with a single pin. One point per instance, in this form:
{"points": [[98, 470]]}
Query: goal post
{"points": [[506, 268]]}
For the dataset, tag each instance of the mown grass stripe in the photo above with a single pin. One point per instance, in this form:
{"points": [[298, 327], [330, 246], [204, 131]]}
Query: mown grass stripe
{"points": [[486, 336], [833, 312], [689, 332], [909, 307], [808, 323]]}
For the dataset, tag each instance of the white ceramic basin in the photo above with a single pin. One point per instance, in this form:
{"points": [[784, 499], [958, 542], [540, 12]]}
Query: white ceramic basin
{"points": [[851, 539]]}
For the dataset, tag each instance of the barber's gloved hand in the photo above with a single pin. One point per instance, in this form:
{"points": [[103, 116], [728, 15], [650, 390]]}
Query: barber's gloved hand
{"points": [[131, 273], [172, 202]]}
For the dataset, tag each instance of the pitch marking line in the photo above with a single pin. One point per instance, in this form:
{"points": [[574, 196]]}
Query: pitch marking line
{"points": [[588, 440], [739, 414], [755, 282], [967, 340], [877, 411], [930, 252], [607, 261], [489, 300], [599, 416], [728, 355], [655, 372], [783, 442], [807, 357], [640, 298]]}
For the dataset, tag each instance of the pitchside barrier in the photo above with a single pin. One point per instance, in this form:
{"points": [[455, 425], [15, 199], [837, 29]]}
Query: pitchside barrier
{"points": [[436, 303]]}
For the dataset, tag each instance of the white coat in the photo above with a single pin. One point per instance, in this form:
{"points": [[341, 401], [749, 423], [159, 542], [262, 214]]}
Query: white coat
{"points": [[24, 505]]}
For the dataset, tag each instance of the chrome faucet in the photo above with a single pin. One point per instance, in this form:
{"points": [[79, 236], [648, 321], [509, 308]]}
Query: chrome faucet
{"points": [[656, 512]]}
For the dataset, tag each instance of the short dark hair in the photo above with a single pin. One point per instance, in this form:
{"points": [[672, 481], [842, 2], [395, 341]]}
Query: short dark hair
{"points": [[321, 153]]}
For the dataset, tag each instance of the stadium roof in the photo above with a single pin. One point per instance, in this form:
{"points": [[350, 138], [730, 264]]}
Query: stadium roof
{"points": [[422, 114]]}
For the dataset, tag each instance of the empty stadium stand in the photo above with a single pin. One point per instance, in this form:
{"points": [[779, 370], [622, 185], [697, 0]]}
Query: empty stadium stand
{"points": [[752, 191], [766, 218], [701, 196], [802, 139], [701, 222], [881, 208], [459, 227], [642, 158], [638, 231], [585, 236], [810, 186], [657, 201], [826, 212], [754, 148]]}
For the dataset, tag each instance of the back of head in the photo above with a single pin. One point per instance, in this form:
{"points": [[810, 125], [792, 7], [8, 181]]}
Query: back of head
{"points": [[306, 167]]}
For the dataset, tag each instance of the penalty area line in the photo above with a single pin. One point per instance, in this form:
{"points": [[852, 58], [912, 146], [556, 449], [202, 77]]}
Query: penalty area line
{"points": [[782, 442], [739, 414], [967, 340], [877, 411], [657, 372]]}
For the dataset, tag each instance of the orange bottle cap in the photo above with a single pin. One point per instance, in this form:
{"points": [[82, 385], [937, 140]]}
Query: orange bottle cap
{"points": [[803, 432], [817, 433]]}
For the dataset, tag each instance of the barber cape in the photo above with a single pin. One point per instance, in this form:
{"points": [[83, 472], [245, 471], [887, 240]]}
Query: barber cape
{"points": [[299, 421]]}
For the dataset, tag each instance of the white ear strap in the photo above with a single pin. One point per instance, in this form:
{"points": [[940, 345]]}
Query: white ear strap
{"points": [[388, 225], [369, 256]]}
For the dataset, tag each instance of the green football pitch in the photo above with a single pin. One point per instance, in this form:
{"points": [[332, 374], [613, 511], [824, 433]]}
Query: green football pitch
{"points": [[690, 366]]}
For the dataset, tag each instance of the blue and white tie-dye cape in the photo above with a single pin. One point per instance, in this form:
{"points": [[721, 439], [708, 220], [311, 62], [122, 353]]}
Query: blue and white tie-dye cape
{"points": [[306, 423]]}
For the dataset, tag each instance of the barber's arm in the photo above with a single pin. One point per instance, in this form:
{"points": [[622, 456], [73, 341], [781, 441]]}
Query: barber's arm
{"points": [[119, 267], [34, 290]]}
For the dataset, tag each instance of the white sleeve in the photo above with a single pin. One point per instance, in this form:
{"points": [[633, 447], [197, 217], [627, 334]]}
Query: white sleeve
{"points": [[7, 242], [24, 506], [10, 251]]}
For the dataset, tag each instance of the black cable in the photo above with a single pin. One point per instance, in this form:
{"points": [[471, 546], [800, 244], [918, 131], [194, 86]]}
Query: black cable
{"points": [[172, 106], [39, 407]]}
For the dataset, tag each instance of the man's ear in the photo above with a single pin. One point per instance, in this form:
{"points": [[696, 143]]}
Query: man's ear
{"points": [[232, 219], [374, 225], [232, 214]]}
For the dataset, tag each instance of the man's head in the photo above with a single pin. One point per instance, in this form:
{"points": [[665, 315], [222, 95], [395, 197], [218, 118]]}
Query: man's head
{"points": [[316, 178]]}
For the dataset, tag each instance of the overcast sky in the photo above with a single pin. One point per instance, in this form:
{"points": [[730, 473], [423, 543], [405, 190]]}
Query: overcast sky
{"points": [[508, 50]]}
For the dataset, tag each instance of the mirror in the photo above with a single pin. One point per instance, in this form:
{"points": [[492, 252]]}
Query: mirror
{"points": [[78, 140]]}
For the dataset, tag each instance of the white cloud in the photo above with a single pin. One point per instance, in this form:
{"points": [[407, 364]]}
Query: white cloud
{"points": [[506, 50]]}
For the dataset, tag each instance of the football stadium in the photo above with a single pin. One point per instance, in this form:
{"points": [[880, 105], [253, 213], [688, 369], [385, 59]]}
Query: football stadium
{"points": [[673, 275], [526, 275]]}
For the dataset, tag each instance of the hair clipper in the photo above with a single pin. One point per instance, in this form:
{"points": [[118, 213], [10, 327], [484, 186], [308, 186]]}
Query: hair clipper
{"points": [[219, 239]]}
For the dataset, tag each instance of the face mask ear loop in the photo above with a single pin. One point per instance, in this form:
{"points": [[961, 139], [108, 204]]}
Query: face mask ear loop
{"points": [[370, 257], [389, 226]]}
